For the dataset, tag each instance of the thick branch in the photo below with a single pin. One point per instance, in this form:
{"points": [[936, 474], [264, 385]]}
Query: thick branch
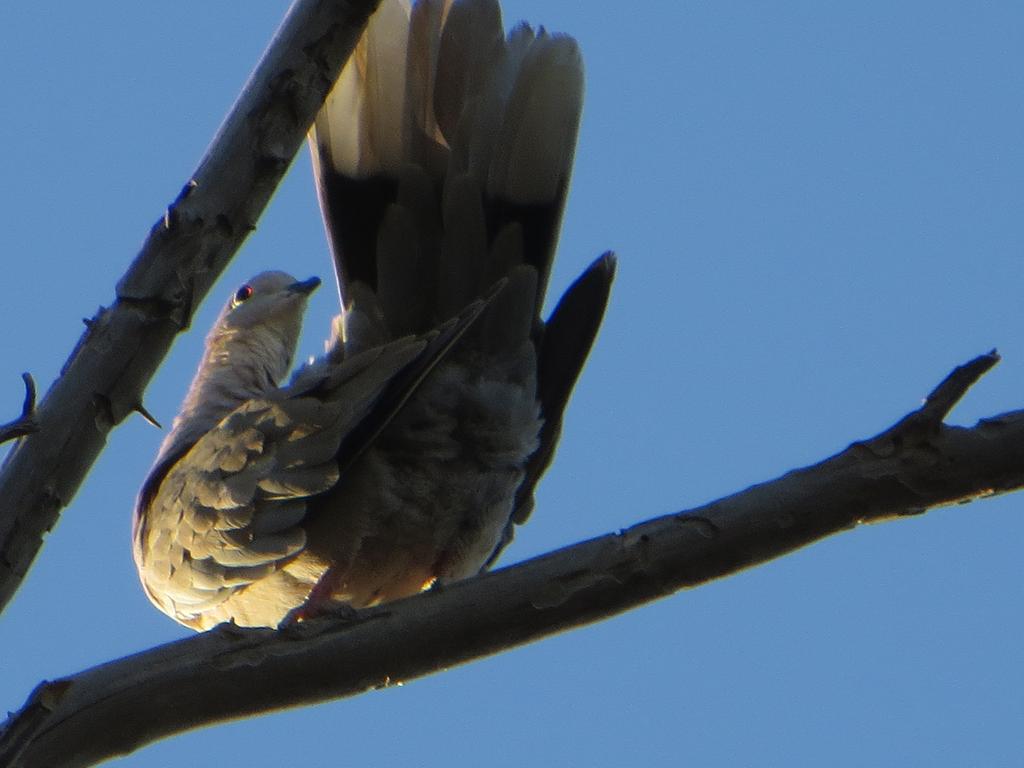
{"points": [[104, 378], [229, 673]]}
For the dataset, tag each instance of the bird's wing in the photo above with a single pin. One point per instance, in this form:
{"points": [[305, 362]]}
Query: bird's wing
{"points": [[229, 511]]}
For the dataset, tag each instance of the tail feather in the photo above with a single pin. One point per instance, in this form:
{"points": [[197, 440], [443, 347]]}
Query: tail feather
{"points": [[401, 272], [445, 148], [506, 252], [509, 322], [533, 155], [472, 34], [385, 45], [359, 130], [420, 128], [481, 124], [465, 238]]}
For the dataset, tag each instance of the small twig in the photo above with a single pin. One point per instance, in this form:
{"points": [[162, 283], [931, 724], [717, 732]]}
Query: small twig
{"points": [[141, 410], [942, 399], [29, 404], [928, 419], [26, 423]]}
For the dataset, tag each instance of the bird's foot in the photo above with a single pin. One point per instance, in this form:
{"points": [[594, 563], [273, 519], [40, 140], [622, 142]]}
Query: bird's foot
{"points": [[319, 602], [309, 611]]}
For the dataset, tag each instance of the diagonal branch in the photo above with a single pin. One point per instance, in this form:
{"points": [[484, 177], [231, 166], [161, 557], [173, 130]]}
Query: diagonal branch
{"points": [[104, 378], [227, 673]]}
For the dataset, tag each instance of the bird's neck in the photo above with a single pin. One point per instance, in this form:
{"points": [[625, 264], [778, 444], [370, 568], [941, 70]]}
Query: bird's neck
{"points": [[235, 368]]}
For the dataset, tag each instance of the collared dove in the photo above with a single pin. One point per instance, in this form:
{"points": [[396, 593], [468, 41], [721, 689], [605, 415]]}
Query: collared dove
{"points": [[410, 450]]}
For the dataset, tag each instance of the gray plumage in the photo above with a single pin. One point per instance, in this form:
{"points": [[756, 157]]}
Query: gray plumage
{"points": [[409, 451]]}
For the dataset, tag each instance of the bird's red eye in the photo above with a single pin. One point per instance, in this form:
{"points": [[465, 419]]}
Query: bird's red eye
{"points": [[242, 294]]}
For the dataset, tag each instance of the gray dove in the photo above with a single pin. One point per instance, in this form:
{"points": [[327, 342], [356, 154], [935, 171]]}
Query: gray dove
{"points": [[410, 450]]}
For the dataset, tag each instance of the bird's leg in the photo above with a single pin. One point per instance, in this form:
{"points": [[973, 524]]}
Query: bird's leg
{"points": [[318, 602]]}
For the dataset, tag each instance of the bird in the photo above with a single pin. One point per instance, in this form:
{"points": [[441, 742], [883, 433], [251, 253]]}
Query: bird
{"points": [[405, 456]]}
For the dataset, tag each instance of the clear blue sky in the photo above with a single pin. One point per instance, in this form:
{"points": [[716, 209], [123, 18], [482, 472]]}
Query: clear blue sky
{"points": [[818, 212]]}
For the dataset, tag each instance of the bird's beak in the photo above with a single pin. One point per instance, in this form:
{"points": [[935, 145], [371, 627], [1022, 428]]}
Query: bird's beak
{"points": [[305, 287]]}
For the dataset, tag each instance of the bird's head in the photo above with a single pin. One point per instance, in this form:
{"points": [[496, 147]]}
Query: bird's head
{"points": [[270, 298], [261, 322]]}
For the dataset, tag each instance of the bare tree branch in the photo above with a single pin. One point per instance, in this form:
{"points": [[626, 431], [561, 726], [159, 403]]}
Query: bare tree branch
{"points": [[104, 378], [227, 673]]}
